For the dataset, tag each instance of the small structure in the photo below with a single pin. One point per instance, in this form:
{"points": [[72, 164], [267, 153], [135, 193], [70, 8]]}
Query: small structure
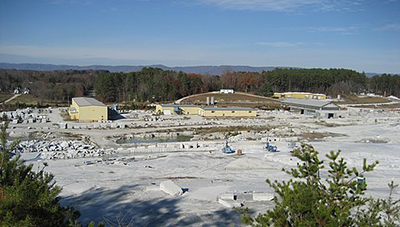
{"points": [[176, 109], [88, 110], [317, 108], [299, 95], [210, 100], [226, 91], [26, 91], [17, 90], [227, 112]]}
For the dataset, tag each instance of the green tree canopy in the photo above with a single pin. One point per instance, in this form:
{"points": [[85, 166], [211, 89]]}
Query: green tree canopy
{"points": [[306, 200]]}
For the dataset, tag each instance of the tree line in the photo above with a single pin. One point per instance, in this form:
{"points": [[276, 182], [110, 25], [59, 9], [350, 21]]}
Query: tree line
{"points": [[385, 84], [157, 85], [153, 84], [50, 85]]}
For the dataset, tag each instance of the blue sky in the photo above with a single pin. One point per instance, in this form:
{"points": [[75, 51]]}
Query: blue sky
{"points": [[357, 34]]}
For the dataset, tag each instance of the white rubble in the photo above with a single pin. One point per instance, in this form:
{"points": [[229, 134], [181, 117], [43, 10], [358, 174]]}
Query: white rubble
{"points": [[61, 149]]}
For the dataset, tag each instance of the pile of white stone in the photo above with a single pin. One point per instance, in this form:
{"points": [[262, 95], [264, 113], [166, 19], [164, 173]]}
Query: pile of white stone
{"points": [[102, 125], [61, 149], [26, 116], [172, 147], [170, 123], [158, 135]]}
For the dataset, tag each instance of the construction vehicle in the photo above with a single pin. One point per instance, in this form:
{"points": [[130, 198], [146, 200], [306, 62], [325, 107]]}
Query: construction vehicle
{"points": [[271, 148], [227, 149]]}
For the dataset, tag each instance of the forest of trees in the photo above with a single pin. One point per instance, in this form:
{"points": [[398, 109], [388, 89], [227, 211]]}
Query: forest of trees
{"points": [[154, 84], [50, 85], [385, 84]]}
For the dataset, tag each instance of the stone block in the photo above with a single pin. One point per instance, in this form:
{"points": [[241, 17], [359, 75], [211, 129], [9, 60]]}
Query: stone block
{"points": [[262, 197], [170, 188]]}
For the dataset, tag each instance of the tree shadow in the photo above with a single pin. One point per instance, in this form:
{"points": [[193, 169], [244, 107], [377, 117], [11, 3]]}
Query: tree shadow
{"points": [[118, 205], [114, 206]]}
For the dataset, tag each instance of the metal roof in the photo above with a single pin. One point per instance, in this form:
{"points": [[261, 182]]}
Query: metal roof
{"points": [[85, 101], [178, 105], [298, 93], [310, 103], [228, 108]]}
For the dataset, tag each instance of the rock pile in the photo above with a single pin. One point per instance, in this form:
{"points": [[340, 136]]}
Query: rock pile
{"points": [[61, 149], [27, 116]]}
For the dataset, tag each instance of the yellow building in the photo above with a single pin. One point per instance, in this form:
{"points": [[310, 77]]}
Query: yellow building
{"points": [[88, 110], [299, 95], [177, 109], [227, 112]]}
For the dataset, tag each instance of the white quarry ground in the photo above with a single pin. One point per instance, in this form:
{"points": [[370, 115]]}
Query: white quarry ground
{"points": [[125, 183]]}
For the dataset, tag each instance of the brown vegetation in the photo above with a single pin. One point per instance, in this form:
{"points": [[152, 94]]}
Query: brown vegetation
{"points": [[354, 99]]}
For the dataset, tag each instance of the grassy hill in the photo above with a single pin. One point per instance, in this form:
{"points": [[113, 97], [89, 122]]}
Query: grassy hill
{"points": [[236, 99]]}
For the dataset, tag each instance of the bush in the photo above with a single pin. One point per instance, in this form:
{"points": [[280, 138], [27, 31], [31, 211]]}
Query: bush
{"points": [[29, 198], [307, 201]]}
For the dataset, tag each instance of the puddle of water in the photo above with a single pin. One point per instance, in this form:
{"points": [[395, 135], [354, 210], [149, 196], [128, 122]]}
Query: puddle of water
{"points": [[180, 138]]}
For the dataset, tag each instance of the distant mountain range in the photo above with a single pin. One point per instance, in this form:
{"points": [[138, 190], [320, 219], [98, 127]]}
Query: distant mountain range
{"points": [[212, 70]]}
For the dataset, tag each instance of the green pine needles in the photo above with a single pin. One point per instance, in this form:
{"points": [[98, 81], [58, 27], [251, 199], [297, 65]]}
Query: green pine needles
{"points": [[29, 198], [307, 200]]}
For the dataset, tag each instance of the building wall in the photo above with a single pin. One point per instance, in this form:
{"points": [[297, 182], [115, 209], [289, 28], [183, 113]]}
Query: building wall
{"points": [[89, 113], [278, 95], [189, 110], [299, 95], [227, 113], [316, 113], [159, 109], [330, 113], [186, 110], [166, 110], [74, 115], [318, 96], [93, 113]]}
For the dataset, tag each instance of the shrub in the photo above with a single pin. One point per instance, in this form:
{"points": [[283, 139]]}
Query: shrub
{"points": [[307, 201]]}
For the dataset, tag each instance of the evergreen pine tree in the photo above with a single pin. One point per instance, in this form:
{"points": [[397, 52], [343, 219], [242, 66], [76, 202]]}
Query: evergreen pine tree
{"points": [[307, 201], [29, 198]]}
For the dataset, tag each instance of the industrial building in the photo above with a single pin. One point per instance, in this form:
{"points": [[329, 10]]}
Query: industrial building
{"points": [[88, 110], [176, 109], [317, 108], [299, 95], [227, 112]]}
